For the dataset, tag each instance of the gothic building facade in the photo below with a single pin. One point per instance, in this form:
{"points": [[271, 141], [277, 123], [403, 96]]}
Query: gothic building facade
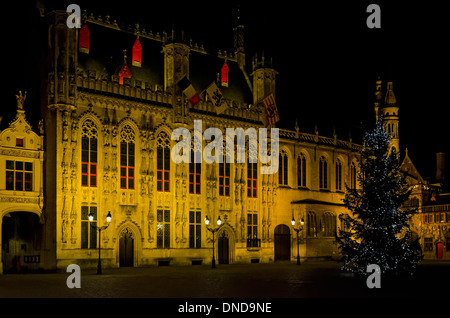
{"points": [[109, 111]]}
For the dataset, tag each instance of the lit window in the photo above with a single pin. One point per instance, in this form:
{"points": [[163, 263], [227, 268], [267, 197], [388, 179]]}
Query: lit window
{"points": [[88, 154], [127, 138], [163, 163]]}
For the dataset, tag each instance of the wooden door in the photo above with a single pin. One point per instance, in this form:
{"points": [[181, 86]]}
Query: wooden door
{"points": [[126, 251], [223, 249], [282, 243]]}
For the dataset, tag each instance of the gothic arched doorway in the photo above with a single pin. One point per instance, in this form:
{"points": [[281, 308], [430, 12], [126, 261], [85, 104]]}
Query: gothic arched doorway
{"points": [[126, 248], [223, 248], [282, 243]]}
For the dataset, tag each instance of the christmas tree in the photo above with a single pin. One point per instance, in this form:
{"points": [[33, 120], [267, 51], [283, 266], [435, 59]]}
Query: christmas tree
{"points": [[378, 233]]}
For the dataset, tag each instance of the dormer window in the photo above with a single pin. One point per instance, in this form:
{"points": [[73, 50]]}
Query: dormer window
{"points": [[124, 72], [137, 53], [224, 74], [84, 39]]}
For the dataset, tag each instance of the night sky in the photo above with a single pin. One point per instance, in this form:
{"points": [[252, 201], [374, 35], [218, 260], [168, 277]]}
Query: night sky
{"points": [[326, 57]]}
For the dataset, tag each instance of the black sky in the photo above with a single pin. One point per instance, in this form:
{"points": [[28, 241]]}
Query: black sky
{"points": [[326, 57]]}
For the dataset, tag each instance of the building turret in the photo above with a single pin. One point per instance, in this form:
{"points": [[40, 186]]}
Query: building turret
{"points": [[390, 116], [176, 59], [263, 79]]}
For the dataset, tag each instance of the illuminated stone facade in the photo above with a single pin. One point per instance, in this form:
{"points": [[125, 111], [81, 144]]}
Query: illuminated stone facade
{"points": [[108, 149]]}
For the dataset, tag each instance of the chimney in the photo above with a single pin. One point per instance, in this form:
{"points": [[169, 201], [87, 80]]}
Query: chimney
{"points": [[440, 166]]}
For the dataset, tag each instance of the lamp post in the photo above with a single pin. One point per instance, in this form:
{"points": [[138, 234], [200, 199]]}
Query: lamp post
{"points": [[219, 221], [298, 241], [99, 229]]}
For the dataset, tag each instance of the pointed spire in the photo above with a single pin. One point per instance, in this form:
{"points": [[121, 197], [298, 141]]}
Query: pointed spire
{"points": [[390, 97]]}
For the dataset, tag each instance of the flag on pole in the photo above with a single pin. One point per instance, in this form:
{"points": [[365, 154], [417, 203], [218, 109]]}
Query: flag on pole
{"points": [[216, 97], [189, 90], [271, 110]]}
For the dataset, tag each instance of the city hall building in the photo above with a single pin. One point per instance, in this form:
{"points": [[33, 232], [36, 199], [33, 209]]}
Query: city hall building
{"points": [[104, 147]]}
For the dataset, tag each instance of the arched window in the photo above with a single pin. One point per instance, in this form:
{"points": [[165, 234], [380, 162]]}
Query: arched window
{"points": [[88, 154], [329, 222], [301, 170], [127, 155], [311, 226], [323, 173], [353, 176], [252, 170], [163, 162], [283, 168], [338, 175]]}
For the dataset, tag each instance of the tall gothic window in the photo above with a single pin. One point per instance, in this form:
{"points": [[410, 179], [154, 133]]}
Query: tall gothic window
{"points": [[338, 175], [163, 229], [195, 171], [89, 154], [283, 168], [301, 170], [252, 179], [88, 232], [224, 178], [323, 173], [195, 229], [353, 176], [127, 155], [252, 229], [163, 162]]}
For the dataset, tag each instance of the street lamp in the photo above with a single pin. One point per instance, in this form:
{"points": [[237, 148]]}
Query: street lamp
{"points": [[298, 241], [219, 221], [99, 229]]}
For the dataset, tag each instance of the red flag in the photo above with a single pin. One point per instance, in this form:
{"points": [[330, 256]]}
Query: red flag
{"points": [[271, 110], [189, 90]]}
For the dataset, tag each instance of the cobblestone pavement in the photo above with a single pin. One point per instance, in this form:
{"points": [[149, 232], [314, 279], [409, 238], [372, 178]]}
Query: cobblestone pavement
{"points": [[279, 280]]}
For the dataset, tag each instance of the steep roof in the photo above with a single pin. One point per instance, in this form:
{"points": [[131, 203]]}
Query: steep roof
{"points": [[108, 40], [412, 174]]}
